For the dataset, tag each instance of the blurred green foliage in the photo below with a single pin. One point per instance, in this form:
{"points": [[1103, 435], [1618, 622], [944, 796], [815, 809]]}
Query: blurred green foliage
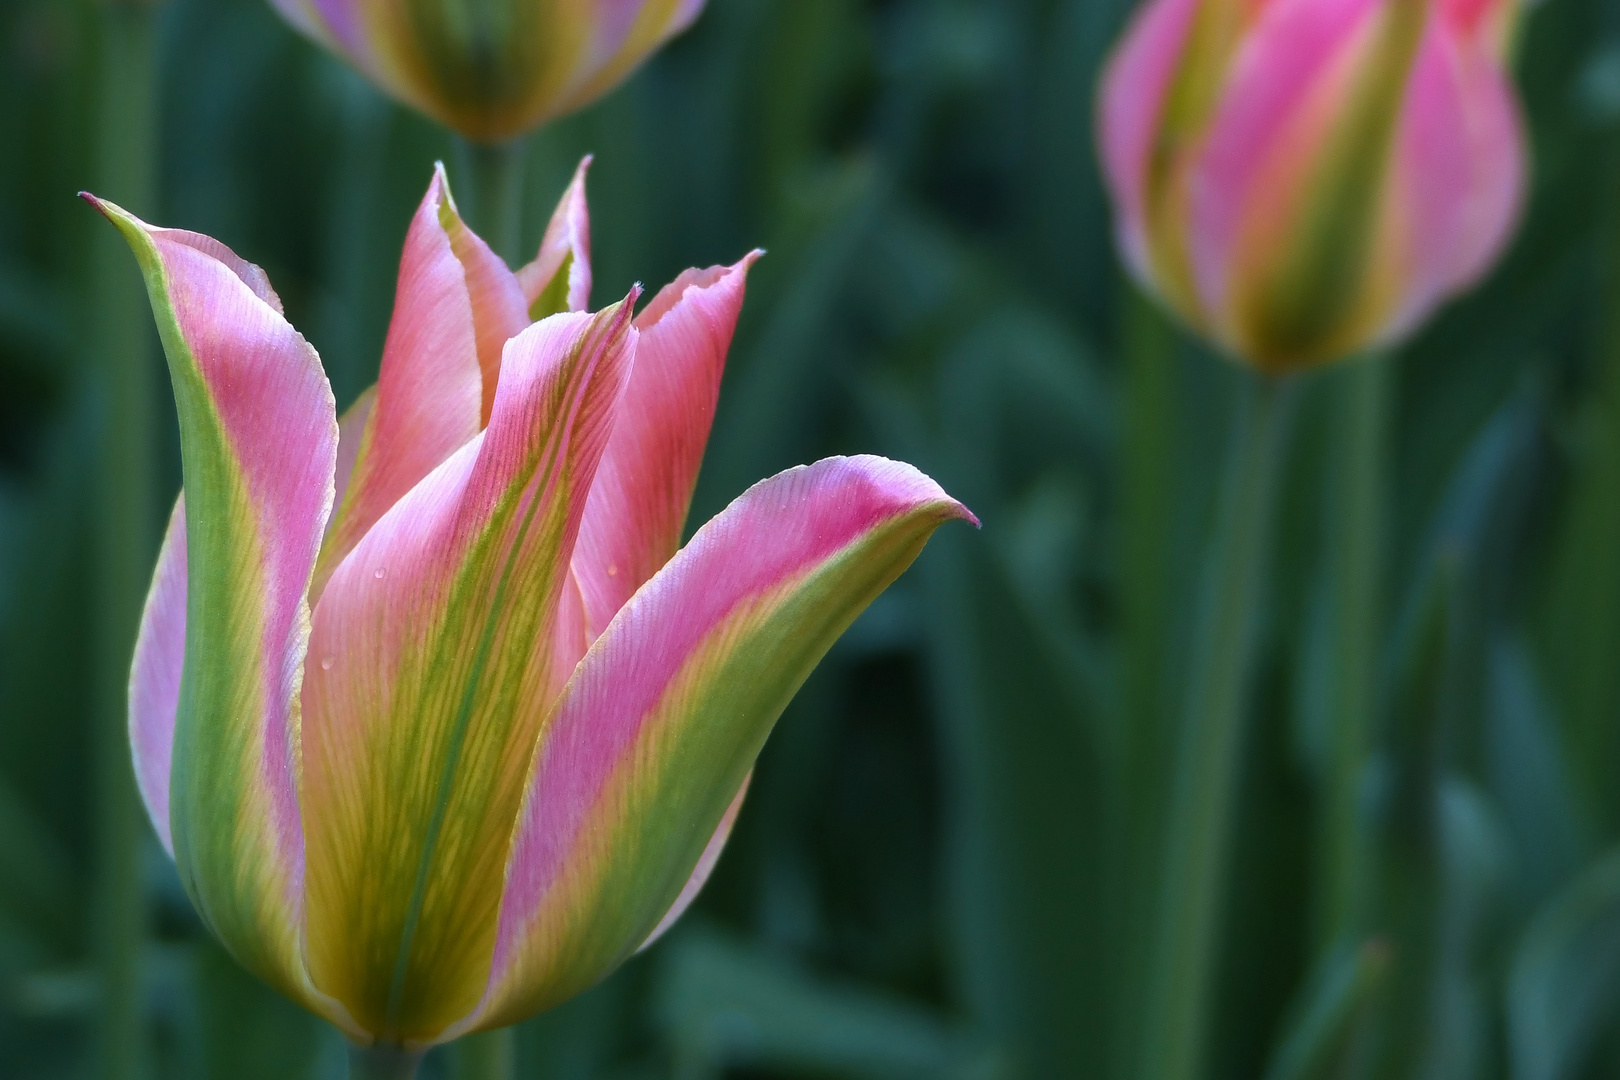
{"points": [[945, 865]]}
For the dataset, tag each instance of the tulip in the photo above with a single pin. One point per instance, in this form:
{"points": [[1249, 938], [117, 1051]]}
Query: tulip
{"points": [[437, 718], [495, 69], [1304, 179]]}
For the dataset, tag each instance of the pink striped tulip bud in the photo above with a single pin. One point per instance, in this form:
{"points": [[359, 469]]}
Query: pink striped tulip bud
{"points": [[493, 69], [439, 719], [1303, 179]]}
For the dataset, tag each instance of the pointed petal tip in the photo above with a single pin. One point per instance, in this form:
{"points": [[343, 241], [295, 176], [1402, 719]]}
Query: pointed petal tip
{"points": [[905, 481], [112, 211], [671, 295], [441, 184]]}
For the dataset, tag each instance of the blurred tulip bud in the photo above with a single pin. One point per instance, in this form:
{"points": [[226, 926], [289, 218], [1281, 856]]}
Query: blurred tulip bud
{"points": [[493, 69], [1303, 179]]}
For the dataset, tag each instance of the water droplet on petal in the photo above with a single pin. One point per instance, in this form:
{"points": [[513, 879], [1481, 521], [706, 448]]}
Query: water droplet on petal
{"points": [[380, 572], [613, 571], [327, 662]]}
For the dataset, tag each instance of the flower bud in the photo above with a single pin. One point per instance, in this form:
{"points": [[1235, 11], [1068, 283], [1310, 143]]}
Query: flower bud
{"points": [[1304, 179], [492, 69]]}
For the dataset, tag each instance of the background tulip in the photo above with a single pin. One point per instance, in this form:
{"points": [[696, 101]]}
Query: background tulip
{"points": [[437, 723], [1302, 179], [494, 70]]}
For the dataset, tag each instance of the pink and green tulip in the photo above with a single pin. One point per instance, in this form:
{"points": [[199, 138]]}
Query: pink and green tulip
{"points": [[436, 716], [494, 69], [1304, 179]]}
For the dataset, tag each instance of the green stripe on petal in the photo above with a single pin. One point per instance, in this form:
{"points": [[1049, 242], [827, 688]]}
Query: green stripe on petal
{"points": [[559, 277], [432, 675], [663, 718], [258, 436]]}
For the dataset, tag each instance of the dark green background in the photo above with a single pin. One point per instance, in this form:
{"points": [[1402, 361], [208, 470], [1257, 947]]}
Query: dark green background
{"points": [[936, 873]]}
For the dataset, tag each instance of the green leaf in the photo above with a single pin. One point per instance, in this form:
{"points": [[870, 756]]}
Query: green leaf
{"points": [[1320, 1040], [1564, 987], [723, 1005]]}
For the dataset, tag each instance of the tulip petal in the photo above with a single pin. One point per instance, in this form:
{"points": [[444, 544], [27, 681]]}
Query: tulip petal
{"points": [[1131, 107], [500, 310], [154, 680], [705, 867], [154, 685], [663, 718], [1458, 175], [432, 677], [351, 433], [258, 440], [559, 278], [626, 32], [335, 24], [1275, 113], [638, 504], [453, 311]]}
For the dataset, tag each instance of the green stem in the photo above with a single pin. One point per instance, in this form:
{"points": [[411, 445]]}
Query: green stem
{"points": [[1356, 538], [1193, 882], [492, 179], [488, 1055], [1408, 861], [382, 1063], [1148, 512], [1581, 618], [125, 522]]}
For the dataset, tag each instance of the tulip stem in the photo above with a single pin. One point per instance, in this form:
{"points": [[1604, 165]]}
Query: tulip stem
{"points": [[125, 524], [1193, 881], [488, 1055], [1147, 520], [1356, 588], [493, 174], [382, 1062]]}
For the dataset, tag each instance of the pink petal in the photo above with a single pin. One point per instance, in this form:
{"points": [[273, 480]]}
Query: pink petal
{"points": [[154, 685], [351, 433], [567, 240], [1292, 47], [1458, 177], [624, 34], [638, 504], [431, 392], [154, 681], [1130, 107], [663, 718], [432, 674], [500, 310], [258, 448]]}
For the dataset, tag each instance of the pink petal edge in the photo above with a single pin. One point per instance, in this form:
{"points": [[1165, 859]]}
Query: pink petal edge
{"points": [[779, 529], [568, 232], [154, 682]]}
